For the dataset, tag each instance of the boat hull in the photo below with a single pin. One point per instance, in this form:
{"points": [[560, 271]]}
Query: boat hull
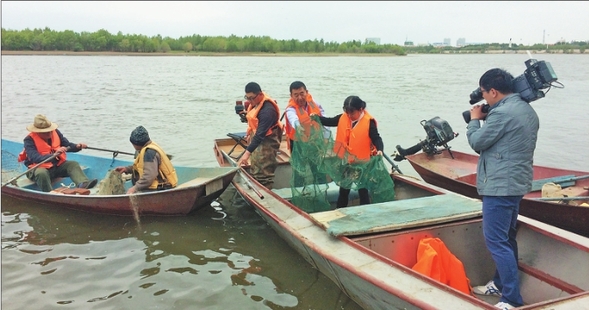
{"points": [[198, 187], [374, 269], [459, 175]]}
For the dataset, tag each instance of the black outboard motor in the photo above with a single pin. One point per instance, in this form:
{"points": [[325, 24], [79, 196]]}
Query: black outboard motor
{"points": [[439, 133]]}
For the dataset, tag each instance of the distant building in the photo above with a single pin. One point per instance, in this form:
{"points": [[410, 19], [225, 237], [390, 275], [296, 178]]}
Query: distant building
{"points": [[373, 40], [460, 42], [447, 42], [408, 43]]}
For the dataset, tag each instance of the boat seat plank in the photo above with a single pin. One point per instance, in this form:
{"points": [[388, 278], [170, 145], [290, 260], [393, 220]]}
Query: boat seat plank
{"points": [[194, 181], [398, 214]]}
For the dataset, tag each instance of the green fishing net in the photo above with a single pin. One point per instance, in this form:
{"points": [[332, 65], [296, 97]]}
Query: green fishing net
{"points": [[314, 162]]}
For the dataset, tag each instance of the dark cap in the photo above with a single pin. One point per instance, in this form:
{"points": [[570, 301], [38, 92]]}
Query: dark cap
{"points": [[139, 136]]}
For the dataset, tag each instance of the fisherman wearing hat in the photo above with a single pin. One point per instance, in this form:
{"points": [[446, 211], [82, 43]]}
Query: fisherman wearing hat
{"points": [[152, 169], [44, 141]]}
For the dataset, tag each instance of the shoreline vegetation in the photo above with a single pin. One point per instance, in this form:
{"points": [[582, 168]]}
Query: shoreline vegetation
{"points": [[51, 42], [245, 54]]}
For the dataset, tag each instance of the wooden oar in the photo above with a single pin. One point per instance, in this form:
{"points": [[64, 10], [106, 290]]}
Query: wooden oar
{"points": [[31, 169], [249, 184], [564, 181], [115, 153], [244, 177], [563, 198]]}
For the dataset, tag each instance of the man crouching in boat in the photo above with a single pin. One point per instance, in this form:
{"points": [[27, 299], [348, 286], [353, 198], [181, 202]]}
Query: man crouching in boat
{"points": [[152, 169], [46, 141]]}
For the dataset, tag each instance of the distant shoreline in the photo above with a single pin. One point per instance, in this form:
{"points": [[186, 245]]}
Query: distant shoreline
{"points": [[196, 54], [191, 54]]}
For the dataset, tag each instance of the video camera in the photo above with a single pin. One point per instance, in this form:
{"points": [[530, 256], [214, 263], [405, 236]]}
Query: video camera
{"points": [[439, 133], [240, 110], [537, 76]]}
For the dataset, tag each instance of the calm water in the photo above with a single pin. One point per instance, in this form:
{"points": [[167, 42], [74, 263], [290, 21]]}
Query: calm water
{"points": [[225, 256]]}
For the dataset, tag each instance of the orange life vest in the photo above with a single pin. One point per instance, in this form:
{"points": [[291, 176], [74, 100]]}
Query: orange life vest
{"points": [[45, 149], [355, 141], [437, 262], [252, 116], [303, 115]]}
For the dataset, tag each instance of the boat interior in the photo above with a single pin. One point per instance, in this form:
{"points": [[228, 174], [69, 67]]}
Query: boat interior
{"points": [[546, 262]]}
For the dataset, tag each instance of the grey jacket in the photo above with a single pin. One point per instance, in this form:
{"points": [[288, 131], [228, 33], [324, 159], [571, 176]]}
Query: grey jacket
{"points": [[506, 146]]}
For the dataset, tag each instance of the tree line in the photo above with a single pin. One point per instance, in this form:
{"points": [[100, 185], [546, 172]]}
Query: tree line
{"points": [[103, 41], [566, 47]]}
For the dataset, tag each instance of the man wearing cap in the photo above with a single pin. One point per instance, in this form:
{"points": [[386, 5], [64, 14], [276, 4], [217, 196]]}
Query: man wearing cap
{"points": [[44, 141], [152, 169]]}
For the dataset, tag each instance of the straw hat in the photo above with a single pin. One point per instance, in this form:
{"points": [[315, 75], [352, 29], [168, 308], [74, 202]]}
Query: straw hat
{"points": [[41, 124]]}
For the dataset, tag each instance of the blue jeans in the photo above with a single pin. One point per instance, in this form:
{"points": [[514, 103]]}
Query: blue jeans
{"points": [[499, 229]]}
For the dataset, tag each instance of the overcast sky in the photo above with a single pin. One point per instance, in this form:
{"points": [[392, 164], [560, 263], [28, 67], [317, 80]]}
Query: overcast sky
{"points": [[393, 22]]}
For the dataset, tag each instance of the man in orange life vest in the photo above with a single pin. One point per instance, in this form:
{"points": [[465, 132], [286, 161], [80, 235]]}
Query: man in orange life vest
{"points": [[152, 169], [44, 141], [357, 138], [300, 106], [264, 133]]}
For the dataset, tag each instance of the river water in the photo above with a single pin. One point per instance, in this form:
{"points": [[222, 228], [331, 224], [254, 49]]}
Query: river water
{"points": [[225, 256]]}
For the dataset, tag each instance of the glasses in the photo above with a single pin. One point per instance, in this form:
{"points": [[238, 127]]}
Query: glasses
{"points": [[251, 98]]}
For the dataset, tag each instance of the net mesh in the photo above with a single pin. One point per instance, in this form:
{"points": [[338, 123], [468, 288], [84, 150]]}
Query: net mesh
{"points": [[10, 166], [112, 184], [316, 157]]}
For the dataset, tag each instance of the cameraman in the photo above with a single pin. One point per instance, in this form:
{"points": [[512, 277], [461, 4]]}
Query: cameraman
{"points": [[506, 146]]}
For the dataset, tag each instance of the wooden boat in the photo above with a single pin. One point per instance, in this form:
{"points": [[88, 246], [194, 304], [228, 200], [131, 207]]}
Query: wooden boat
{"points": [[458, 174], [369, 250], [197, 188]]}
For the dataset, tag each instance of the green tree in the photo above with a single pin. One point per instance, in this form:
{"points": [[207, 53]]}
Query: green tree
{"points": [[187, 47]]}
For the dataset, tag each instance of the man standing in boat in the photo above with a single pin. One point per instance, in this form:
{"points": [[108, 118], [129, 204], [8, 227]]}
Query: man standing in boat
{"points": [[152, 169], [298, 127], [506, 145], [264, 134], [300, 106], [45, 141]]}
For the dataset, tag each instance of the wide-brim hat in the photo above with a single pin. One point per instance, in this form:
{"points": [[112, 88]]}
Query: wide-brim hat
{"points": [[41, 124]]}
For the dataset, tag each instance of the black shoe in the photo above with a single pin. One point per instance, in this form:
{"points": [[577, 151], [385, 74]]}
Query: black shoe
{"points": [[88, 184]]}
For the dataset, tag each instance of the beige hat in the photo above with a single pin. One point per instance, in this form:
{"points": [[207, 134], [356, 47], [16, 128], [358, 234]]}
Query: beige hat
{"points": [[41, 124]]}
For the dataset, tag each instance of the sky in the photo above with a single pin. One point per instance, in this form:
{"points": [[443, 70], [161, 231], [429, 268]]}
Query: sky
{"points": [[525, 22]]}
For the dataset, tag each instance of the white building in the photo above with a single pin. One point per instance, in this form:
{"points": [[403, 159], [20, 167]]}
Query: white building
{"points": [[373, 40]]}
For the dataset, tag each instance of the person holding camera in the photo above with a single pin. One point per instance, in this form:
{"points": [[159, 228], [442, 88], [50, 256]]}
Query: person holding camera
{"points": [[264, 133], [506, 144]]}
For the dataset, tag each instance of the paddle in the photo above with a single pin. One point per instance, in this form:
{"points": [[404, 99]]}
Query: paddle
{"points": [[564, 181], [32, 168], [562, 198], [395, 167], [115, 153], [247, 181]]}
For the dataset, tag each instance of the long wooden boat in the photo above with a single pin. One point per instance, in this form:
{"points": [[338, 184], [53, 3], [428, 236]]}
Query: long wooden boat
{"points": [[458, 174], [369, 250], [197, 188]]}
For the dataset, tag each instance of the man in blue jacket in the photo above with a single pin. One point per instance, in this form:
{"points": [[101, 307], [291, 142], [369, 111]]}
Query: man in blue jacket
{"points": [[506, 146]]}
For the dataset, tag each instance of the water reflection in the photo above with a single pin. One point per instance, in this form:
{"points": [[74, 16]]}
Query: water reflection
{"points": [[221, 257]]}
